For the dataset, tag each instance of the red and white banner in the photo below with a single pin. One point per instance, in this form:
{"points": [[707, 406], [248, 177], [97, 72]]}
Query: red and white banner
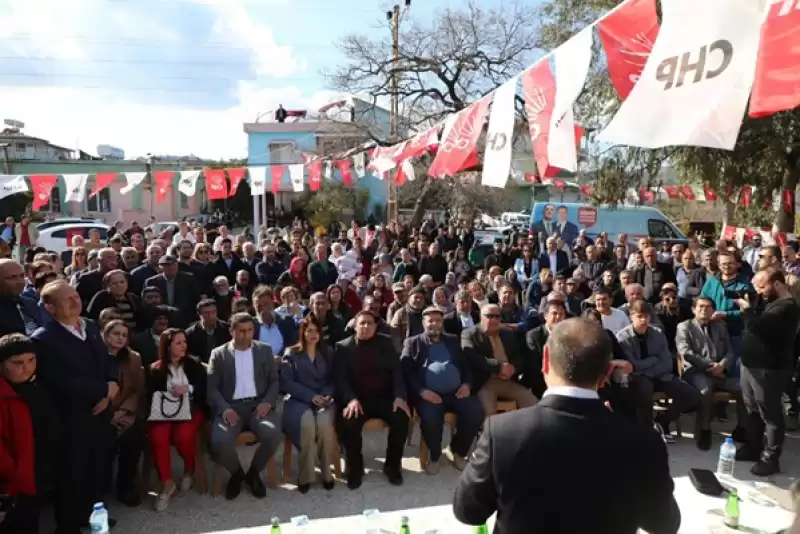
{"points": [[420, 144], [164, 183], [187, 183], [297, 177], [236, 176], [359, 165], [628, 35], [539, 89], [777, 82], [695, 86], [216, 184], [314, 175], [500, 136], [103, 180], [75, 185], [133, 180], [457, 150], [345, 168], [276, 175], [42, 186], [572, 60]]}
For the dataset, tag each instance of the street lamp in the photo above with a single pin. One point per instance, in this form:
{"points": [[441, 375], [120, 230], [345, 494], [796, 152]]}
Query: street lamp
{"points": [[393, 17]]}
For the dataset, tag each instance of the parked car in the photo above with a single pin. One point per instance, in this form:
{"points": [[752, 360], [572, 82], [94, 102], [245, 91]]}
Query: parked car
{"points": [[58, 238], [65, 221]]}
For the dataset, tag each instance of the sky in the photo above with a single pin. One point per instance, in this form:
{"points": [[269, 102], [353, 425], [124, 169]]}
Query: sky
{"points": [[173, 77]]}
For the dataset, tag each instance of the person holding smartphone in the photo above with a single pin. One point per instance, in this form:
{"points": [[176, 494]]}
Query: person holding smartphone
{"points": [[308, 413]]}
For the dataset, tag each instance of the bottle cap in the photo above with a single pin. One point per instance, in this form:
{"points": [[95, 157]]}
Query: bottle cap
{"points": [[99, 506], [404, 519], [276, 521], [728, 440]]}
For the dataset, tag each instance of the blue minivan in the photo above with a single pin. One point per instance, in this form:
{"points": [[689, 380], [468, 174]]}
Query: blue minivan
{"points": [[636, 221]]}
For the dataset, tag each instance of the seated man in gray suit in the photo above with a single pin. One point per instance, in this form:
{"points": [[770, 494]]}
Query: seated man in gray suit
{"points": [[709, 362], [243, 392]]}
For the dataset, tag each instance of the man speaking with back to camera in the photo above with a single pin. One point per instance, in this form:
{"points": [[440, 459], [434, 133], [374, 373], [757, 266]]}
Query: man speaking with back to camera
{"points": [[568, 464]]}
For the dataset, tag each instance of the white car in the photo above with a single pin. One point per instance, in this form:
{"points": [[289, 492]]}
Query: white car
{"points": [[66, 221], [58, 238]]}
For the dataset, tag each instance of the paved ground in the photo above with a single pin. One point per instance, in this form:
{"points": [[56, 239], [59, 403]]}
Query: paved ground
{"points": [[196, 514]]}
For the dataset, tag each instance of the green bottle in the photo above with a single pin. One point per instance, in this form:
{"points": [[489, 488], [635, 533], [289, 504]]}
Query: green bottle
{"points": [[276, 526], [404, 528], [482, 529], [732, 510]]}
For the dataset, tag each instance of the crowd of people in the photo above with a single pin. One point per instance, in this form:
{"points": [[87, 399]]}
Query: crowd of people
{"points": [[152, 341]]}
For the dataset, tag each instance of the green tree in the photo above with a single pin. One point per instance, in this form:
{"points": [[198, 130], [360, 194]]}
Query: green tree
{"points": [[334, 202], [766, 154], [445, 64]]}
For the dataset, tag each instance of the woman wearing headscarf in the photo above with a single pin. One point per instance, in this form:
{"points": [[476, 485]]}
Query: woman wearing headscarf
{"points": [[296, 276]]}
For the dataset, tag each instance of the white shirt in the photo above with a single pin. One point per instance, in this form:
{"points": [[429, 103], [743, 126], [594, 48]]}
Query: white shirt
{"points": [[466, 320], [79, 332], [188, 236], [616, 320], [553, 261], [271, 335], [177, 377], [572, 391], [245, 375]]}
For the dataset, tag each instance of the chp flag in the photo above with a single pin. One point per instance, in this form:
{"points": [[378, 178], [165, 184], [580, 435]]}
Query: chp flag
{"points": [[499, 136], [187, 183], [777, 81], [695, 86], [75, 185], [11, 184]]}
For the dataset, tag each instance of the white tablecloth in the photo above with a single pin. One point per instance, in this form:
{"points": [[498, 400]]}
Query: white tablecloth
{"points": [[700, 514]]}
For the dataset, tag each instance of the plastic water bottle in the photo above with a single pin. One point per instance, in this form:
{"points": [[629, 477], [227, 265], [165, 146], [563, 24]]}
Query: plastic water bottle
{"points": [[372, 519], [404, 528], [98, 521], [727, 458], [275, 527], [481, 529]]}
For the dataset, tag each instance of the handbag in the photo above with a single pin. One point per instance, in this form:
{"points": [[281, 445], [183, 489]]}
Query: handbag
{"points": [[165, 407]]}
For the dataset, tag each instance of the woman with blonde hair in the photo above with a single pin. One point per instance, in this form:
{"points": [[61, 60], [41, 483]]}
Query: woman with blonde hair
{"points": [[79, 262]]}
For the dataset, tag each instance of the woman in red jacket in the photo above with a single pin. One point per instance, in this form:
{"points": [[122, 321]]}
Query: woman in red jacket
{"points": [[17, 451]]}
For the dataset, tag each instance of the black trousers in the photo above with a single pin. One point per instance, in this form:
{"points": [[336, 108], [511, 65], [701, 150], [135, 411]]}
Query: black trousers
{"points": [[374, 408], [87, 444], [762, 391], [684, 398], [127, 449], [23, 518]]}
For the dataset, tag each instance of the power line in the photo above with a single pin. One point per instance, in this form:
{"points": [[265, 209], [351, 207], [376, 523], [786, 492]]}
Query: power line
{"points": [[148, 42], [235, 63]]}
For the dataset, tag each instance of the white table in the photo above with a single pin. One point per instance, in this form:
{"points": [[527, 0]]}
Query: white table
{"points": [[700, 514]]}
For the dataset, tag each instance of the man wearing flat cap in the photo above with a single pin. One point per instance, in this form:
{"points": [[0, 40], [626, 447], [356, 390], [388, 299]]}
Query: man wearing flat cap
{"points": [[178, 289], [438, 380]]}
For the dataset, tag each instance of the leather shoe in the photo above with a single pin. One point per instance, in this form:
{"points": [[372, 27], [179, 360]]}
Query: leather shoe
{"points": [[234, 487], [255, 484], [766, 467], [394, 475], [354, 482], [303, 488], [328, 486]]}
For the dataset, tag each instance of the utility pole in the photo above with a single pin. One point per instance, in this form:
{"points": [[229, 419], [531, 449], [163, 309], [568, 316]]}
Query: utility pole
{"points": [[393, 17]]}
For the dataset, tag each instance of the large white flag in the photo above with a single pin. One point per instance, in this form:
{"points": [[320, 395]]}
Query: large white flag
{"points": [[572, 61], [187, 184], [297, 176], [133, 179], [258, 180], [76, 187], [499, 136], [695, 85], [11, 184]]}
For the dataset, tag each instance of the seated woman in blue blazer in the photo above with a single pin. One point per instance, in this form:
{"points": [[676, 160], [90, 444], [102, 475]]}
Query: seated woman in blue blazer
{"points": [[309, 413]]}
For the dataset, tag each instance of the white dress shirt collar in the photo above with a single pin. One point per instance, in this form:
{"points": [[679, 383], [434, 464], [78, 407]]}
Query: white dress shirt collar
{"points": [[572, 391], [79, 331]]}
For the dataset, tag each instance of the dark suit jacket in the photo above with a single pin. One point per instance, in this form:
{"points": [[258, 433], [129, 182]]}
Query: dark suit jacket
{"points": [[562, 261], [452, 323], [346, 368], [415, 354], [561, 440], [661, 275], [220, 268], [197, 339], [146, 346], [478, 351], [140, 275], [532, 372], [77, 372], [186, 295]]}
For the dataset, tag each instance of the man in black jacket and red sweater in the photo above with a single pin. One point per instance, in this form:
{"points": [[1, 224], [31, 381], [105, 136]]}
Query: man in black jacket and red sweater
{"points": [[767, 365]]}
